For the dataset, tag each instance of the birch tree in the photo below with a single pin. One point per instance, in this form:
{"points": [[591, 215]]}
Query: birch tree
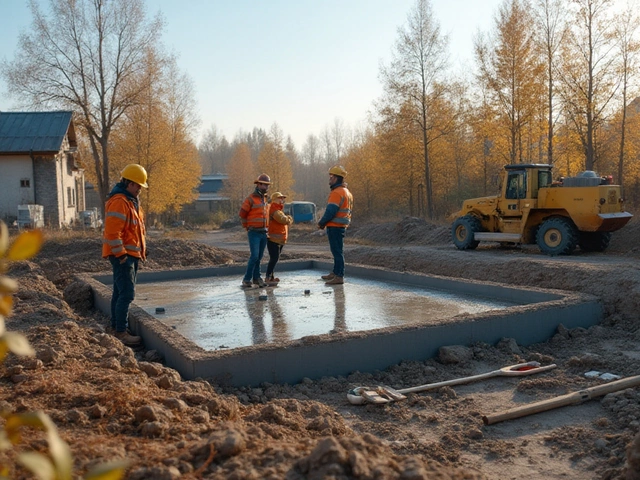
{"points": [[550, 16], [628, 45], [510, 69], [589, 77], [419, 61]]}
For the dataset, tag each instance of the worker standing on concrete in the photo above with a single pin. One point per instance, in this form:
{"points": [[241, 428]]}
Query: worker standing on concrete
{"points": [[124, 245], [336, 219], [254, 215], [277, 234]]}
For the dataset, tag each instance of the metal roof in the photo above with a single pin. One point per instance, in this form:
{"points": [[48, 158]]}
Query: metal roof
{"points": [[24, 133]]}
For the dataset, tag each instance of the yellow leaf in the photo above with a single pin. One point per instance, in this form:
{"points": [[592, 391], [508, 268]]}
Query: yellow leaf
{"points": [[61, 454], [4, 238], [18, 344], [5, 443], [8, 285], [6, 304], [38, 464], [28, 419], [108, 471], [4, 349], [26, 245]]}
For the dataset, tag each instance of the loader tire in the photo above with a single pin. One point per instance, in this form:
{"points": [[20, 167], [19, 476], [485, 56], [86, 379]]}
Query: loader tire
{"points": [[594, 241], [557, 236], [463, 231]]}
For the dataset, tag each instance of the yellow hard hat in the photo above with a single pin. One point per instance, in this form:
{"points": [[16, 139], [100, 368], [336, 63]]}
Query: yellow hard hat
{"points": [[338, 170], [277, 195], [264, 178], [136, 173]]}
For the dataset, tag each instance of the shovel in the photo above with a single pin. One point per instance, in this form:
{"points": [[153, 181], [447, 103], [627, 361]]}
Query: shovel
{"points": [[381, 395]]}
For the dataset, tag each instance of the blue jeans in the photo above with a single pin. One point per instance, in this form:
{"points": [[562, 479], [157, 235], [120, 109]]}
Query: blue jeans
{"points": [[124, 290], [257, 244], [336, 244]]}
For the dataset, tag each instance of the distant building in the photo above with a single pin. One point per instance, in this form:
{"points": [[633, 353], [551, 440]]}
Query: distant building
{"points": [[209, 198], [39, 166]]}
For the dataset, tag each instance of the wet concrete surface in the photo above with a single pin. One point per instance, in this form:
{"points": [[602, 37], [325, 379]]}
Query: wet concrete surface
{"points": [[216, 313]]}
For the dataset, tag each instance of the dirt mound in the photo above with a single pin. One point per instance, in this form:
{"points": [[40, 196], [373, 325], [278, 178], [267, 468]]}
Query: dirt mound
{"points": [[409, 231]]}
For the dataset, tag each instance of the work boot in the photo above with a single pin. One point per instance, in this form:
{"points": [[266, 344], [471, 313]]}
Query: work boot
{"points": [[128, 340], [335, 281], [246, 284], [259, 282], [328, 277], [273, 281]]}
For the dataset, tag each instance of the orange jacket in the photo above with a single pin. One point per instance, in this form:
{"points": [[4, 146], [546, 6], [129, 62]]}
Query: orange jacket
{"points": [[124, 230], [254, 213], [278, 224], [341, 197]]}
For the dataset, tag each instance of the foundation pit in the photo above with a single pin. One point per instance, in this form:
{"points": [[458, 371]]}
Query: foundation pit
{"points": [[213, 329]]}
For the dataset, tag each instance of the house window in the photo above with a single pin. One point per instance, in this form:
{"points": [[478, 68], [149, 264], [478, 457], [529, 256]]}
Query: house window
{"points": [[25, 183], [71, 197]]}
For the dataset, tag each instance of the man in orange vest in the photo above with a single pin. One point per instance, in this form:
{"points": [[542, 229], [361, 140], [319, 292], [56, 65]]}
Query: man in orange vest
{"points": [[277, 235], [124, 245], [254, 215], [336, 219]]}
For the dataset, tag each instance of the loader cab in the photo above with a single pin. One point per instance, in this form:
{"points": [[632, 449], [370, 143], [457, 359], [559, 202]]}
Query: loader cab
{"points": [[514, 191], [520, 191]]}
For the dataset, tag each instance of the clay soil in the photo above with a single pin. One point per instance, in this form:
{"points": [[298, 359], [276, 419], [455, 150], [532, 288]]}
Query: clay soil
{"points": [[111, 402]]}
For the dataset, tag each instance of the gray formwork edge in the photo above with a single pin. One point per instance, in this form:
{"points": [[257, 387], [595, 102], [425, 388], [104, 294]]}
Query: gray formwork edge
{"points": [[534, 319]]}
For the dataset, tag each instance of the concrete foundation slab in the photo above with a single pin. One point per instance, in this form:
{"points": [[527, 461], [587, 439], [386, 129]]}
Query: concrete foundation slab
{"points": [[533, 316]]}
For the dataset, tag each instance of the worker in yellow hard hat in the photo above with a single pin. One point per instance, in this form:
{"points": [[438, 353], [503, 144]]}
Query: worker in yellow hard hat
{"points": [[254, 216], [336, 219], [277, 235], [124, 245]]}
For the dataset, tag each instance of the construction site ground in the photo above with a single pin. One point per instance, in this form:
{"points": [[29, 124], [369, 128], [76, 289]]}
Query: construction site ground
{"points": [[111, 402]]}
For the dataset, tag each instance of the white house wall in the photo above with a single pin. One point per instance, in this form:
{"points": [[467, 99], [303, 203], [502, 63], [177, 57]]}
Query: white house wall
{"points": [[15, 170]]}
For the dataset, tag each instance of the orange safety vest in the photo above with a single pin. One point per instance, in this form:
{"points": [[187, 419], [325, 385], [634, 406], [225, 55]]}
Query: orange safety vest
{"points": [[254, 213], [278, 224], [124, 229], [341, 197]]}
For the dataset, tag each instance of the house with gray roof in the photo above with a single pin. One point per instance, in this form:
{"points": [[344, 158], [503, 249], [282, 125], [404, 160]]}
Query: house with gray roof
{"points": [[38, 161]]}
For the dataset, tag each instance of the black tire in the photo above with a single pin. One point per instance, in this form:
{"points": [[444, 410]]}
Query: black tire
{"points": [[463, 231], [594, 241], [557, 236]]}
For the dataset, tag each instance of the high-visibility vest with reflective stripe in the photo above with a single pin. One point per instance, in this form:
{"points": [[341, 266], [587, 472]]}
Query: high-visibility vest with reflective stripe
{"points": [[278, 224], [341, 197], [254, 212], [124, 229]]}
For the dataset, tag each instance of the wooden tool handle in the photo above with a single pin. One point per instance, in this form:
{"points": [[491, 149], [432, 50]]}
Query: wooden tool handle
{"points": [[563, 400]]}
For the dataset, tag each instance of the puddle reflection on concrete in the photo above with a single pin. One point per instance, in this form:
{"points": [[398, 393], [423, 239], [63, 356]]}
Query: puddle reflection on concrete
{"points": [[215, 313]]}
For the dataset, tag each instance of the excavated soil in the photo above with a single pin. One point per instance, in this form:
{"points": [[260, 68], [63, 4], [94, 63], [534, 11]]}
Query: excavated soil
{"points": [[110, 402]]}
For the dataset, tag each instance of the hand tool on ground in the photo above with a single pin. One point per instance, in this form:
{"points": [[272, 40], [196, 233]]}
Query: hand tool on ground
{"points": [[563, 400], [381, 394]]}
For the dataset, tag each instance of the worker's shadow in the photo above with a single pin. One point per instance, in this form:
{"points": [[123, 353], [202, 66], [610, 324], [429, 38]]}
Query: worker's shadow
{"points": [[256, 309], [279, 322], [339, 322]]}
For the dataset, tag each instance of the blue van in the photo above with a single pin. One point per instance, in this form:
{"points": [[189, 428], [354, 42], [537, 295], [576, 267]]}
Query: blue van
{"points": [[301, 212]]}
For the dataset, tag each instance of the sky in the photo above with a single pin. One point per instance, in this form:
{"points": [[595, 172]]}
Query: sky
{"points": [[302, 64]]}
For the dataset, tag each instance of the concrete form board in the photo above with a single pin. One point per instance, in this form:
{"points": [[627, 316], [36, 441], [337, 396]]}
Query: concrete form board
{"points": [[535, 320]]}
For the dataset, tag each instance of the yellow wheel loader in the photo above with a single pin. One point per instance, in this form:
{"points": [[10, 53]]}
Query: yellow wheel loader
{"points": [[532, 208]]}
